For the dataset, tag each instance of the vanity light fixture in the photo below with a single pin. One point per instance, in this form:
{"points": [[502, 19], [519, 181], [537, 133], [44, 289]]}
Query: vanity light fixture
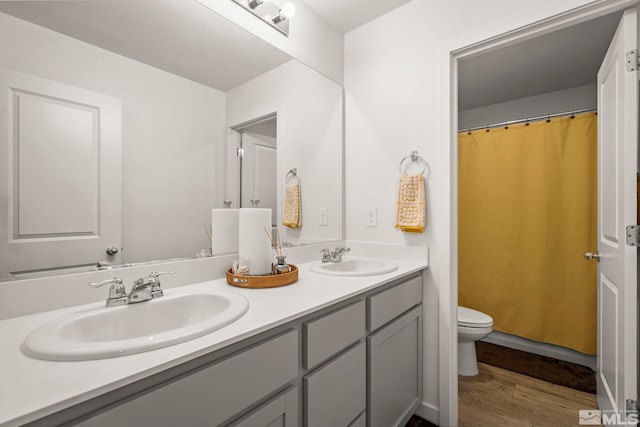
{"points": [[269, 12]]}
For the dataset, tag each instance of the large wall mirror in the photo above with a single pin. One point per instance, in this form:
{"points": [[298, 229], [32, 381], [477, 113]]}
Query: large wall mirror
{"points": [[120, 125]]}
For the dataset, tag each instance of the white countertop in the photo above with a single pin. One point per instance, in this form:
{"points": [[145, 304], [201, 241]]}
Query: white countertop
{"points": [[31, 389]]}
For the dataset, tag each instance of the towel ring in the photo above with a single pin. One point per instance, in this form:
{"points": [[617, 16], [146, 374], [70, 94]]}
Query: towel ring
{"points": [[293, 173], [413, 157]]}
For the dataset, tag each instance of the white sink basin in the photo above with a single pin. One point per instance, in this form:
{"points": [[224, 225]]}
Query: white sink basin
{"points": [[354, 267], [105, 332]]}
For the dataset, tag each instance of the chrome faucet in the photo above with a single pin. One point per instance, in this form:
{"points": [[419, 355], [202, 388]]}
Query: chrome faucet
{"points": [[143, 289], [117, 292], [334, 256], [147, 288]]}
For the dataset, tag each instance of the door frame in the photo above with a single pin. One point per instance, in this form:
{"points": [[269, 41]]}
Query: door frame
{"points": [[448, 351]]}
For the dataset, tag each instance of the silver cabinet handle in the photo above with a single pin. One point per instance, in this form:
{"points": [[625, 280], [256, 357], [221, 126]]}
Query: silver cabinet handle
{"points": [[591, 255]]}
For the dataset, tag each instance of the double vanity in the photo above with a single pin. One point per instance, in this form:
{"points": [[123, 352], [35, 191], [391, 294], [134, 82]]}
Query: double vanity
{"points": [[340, 347]]}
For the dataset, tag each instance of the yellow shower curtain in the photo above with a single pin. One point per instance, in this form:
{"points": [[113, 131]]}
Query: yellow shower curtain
{"points": [[527, 213]]}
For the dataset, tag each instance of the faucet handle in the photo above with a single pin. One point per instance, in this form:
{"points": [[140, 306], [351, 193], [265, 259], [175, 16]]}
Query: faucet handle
{"points": [[157, 274], [117, 292], [156, 291], [326, 255]]}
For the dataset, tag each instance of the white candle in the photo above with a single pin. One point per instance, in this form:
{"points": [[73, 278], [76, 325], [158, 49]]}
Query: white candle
{"points": [[253, 242]]}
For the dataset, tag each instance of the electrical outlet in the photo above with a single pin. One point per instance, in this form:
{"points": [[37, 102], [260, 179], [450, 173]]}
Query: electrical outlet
{"points": [[324, 216], [371, 219]]}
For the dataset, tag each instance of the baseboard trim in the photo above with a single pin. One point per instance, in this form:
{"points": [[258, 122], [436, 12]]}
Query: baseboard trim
{"points": [[428, 412], [543, 349]]}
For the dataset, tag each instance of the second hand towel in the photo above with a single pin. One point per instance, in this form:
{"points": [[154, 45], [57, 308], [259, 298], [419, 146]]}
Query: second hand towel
{"points": [[292, 206], [411, 214]]}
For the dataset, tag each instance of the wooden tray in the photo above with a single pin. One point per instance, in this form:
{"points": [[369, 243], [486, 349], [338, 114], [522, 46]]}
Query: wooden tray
{"points": [[259, 282]]}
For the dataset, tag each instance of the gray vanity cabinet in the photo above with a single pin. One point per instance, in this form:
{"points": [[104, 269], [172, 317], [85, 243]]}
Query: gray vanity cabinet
{"points": [[394, 353], [357, 363]]}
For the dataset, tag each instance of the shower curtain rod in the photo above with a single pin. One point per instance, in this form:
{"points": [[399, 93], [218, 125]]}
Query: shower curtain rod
{"points": [[530, 119]]}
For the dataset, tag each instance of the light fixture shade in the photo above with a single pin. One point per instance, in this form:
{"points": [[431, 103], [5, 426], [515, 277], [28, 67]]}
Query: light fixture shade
{"points": [[288, 10]]}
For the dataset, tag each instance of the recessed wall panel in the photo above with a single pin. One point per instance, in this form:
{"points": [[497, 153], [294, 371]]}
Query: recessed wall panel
{"points": [[266, 178], [609, 157], [608, 346], [56, 167]]}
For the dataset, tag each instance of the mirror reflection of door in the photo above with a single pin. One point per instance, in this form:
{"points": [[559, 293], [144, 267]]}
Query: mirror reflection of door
{"points": [[258, 165], [63, 192]]}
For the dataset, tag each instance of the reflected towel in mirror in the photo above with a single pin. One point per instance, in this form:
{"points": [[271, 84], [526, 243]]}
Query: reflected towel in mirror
{"points": [[292, 206]]}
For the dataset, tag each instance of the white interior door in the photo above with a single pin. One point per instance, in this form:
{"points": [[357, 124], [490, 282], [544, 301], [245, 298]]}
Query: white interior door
{"points": [[259, 172], [617, 274], [60, 187]]}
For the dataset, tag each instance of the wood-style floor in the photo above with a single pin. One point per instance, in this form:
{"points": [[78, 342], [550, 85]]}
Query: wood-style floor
{"points": [[497, 397]]}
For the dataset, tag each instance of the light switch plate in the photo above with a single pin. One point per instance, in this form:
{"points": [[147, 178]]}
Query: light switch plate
{"points": [[371, 219], [324, 216]]}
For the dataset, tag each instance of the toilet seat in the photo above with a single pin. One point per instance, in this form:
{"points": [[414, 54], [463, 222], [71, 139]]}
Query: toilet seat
{"points": [[470, 318]]}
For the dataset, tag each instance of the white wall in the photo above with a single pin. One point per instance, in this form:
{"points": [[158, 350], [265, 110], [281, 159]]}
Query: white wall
{"points": [[172, 136], [559, 101], [398, 98], [309, 120], [311, 40]]}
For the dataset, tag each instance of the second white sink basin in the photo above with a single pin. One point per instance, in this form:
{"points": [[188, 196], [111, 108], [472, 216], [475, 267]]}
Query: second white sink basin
{"points": [[105, 332], [354, 267]]}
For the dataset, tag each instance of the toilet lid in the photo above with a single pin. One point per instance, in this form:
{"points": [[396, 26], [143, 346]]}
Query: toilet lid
{"points": [[473, 318]]}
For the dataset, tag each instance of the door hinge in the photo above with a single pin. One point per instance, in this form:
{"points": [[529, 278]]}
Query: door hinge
{"points": [[632, 405], [633, 235], [633, 60], [240, 152]]}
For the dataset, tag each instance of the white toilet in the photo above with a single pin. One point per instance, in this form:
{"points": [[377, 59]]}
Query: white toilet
{"points": [[473, 325]]}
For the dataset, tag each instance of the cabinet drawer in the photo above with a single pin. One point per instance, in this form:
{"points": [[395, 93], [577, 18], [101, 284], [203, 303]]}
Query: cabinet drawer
{"points": [[327, 335], [389, 304], [336, 394], [213, 394]]}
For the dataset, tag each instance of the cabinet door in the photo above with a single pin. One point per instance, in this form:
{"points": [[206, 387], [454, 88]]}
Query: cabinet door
{"points": [[282, 411], [335, 394], [395, 370]]}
